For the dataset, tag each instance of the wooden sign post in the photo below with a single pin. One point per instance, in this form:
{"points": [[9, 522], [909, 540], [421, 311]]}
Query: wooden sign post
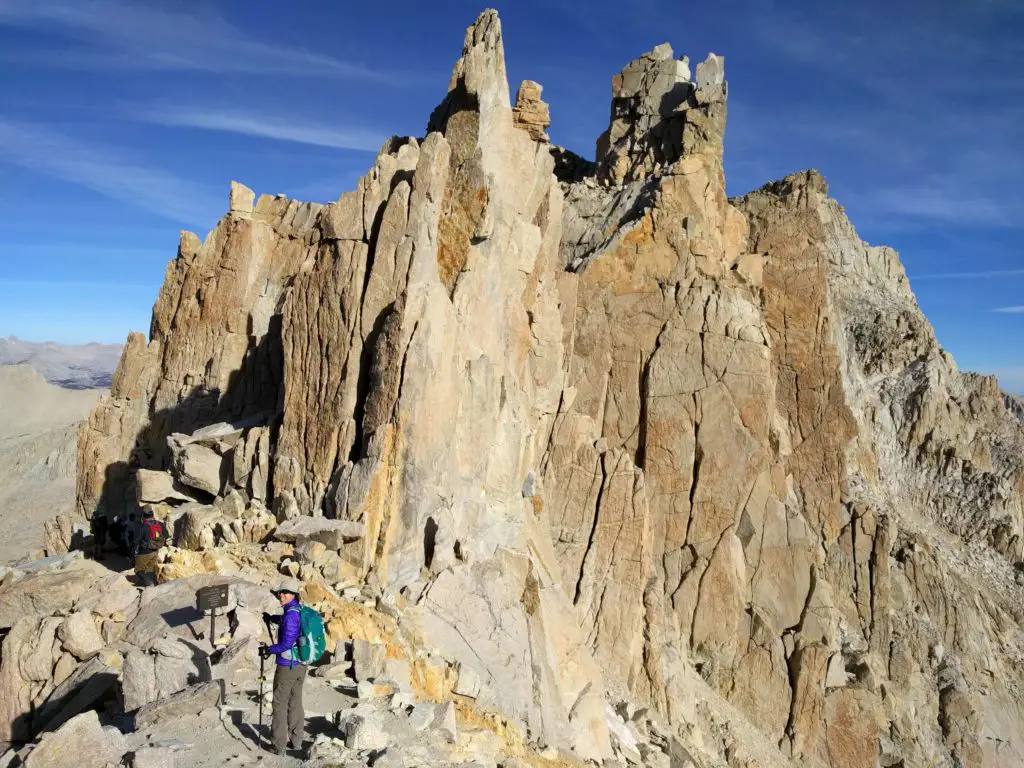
{"points": [[210, 599]]}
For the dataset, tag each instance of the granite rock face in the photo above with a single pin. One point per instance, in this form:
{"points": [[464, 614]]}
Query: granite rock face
{"points": [[600, 434]]}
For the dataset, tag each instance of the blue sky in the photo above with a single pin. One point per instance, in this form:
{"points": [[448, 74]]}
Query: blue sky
{"points": [[122, 121]]}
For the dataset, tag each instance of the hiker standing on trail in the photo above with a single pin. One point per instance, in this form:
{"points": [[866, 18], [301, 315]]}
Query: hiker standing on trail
{"points": [[98, 524], [289, 720], [153, 532], [131, 537]]}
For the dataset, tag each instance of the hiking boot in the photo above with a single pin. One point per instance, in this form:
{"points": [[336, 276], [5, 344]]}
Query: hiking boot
{"points": [[277, 750], [295, 744]]}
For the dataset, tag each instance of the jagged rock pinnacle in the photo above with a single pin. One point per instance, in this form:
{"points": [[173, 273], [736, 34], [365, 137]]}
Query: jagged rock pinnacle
{"points": [[612, 443], [531, 112], [655, 108]]}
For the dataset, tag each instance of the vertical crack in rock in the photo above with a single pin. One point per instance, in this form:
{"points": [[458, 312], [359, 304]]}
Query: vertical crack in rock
{"points": [[593, 530], [640, 456], [697, 456]]}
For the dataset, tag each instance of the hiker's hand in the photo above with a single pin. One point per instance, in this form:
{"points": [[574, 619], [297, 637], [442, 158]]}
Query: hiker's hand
{"points": [[264, 651], [269, 618]]}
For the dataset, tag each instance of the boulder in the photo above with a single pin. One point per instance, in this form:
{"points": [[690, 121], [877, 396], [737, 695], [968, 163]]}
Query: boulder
{"points": [[149, 677], [367, 659], [240, 656], [197, 528], [310, 552], [331, 533], [15, 690], [190, 701], [365, 731], [337, 671], [153, 487], [222, 435], [170, 609], [64, 668], [58, 535], [198, 466], [422, 715], [80, 741], [112, 631], [231, 505], [51, 563], [251, 463], [37, 656], [45, 594], [329, 751], [78, 634], [469, 682], [81, 689], [398, 673], [112, 594], [445, 723]]}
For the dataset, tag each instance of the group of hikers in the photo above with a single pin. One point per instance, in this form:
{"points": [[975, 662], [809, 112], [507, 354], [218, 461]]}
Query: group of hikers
{"points": [[131, 534]]}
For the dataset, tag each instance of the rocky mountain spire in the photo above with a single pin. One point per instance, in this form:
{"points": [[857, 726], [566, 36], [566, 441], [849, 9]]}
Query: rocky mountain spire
{"points": [[606, 438], [659, 114]]}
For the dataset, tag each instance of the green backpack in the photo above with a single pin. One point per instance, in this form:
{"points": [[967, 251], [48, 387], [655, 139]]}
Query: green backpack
{"points": [[312, 640]]}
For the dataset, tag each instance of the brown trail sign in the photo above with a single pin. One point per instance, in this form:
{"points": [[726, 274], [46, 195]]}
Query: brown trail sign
{"points": [[210, 599]]}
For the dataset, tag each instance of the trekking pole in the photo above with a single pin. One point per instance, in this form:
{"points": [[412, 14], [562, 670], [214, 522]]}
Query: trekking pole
{"points": [[263, 679]]}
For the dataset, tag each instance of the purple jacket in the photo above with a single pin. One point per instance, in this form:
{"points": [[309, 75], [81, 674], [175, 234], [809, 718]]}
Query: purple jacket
{"points": [[288, 635]]}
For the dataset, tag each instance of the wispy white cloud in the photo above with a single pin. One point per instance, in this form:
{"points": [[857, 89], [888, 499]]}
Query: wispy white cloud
{"points": [[54, 154], [264, 126], [970, 275], [951, 204], [1017, 310], [118, 35]]}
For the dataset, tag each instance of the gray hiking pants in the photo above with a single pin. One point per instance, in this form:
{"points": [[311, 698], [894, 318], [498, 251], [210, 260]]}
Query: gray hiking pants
{"points": [[289, 720]]}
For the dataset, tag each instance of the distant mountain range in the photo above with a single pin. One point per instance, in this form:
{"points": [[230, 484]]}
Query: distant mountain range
{"points": [[38, 448], [82, 366]]}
